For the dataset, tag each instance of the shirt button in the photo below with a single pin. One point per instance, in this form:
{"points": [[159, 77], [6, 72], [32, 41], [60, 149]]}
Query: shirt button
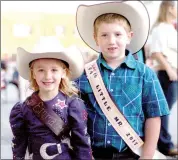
{"points": [[109, 124], [108, 142], [112, 74], [111, 90]]}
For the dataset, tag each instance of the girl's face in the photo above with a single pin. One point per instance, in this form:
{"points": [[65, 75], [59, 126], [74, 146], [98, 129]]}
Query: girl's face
{"points": [[112, 39], [173, 11], [48, 74]]}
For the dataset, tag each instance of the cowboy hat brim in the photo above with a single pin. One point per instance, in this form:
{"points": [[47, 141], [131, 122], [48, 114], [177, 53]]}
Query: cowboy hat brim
{"points": [[134, 11], [72, 56]]}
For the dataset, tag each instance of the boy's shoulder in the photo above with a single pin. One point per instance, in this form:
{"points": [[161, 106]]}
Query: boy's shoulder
{"points": [[141, 66], [145, 70], [82, 78]]}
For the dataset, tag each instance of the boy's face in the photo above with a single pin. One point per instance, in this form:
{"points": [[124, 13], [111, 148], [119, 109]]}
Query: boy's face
{"points": [[112, 39]]}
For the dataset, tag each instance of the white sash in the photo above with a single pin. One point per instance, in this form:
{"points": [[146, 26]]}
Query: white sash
{"points": [[112, 113]]}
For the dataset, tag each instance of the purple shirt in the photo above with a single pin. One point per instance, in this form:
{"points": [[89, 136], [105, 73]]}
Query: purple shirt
{"points": [[29, 131]]}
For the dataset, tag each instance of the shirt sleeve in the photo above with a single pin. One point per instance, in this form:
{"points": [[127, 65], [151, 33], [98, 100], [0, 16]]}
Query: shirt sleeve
{"points": [[153, 101], [80, 139], [172, 38], [80, 85], [158, 41], [20, 138]]}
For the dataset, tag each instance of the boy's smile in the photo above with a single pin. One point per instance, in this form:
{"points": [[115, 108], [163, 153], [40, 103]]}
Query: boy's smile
{"points": [[112, 49]]}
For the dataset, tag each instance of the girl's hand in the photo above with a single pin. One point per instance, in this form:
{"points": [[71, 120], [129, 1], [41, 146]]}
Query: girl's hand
{"points": [[172, 74]]}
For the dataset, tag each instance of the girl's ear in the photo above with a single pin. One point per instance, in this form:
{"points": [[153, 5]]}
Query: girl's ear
{"points": [[63, 73], [95, 38], [33, 74]]}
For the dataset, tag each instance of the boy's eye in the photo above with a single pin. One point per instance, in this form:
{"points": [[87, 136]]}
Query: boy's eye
{"points": [[104, 35], [118, 34], [54, 70]]}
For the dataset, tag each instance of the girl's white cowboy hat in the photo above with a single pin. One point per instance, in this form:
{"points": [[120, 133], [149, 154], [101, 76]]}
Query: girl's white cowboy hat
{"points": [[49, 47], [134, 11]]}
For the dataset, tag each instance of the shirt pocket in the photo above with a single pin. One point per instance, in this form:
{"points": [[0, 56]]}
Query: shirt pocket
{"points": [[131, 100], [92, 104]]}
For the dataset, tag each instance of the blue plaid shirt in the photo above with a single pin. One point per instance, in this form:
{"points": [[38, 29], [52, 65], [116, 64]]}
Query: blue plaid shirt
{"points": [[137, 93]]}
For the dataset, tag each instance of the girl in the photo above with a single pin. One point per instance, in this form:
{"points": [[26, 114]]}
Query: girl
{"points": [[52, 121], [163, 49]]}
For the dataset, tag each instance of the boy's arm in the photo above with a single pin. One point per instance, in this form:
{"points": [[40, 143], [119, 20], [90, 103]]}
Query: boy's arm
{"points": [[152, 130], [154, 106]]}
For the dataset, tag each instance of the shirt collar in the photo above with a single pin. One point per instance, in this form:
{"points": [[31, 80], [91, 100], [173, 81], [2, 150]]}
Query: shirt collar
{"points": [[102, 62], [129, 61]]}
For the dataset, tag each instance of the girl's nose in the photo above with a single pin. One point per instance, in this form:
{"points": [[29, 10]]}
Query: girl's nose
{"points": [[48, 75]]}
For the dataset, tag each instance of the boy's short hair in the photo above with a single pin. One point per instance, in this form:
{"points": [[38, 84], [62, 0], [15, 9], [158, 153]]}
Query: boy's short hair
{"points": [[110, 18]]}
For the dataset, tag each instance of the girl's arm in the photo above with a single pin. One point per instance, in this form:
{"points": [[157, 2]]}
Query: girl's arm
{"points": [[152, 130], [80, 140], [20, 138], [162, 60]]}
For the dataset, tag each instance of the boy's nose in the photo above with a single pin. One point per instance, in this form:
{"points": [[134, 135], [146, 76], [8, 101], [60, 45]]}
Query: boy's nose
{"points": [[111, 39]]}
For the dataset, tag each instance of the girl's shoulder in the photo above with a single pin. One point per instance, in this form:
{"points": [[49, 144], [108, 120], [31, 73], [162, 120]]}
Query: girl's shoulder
{"points": [[163, 28], [17, 107], [74, 99], [16, 113], [76, 102]]}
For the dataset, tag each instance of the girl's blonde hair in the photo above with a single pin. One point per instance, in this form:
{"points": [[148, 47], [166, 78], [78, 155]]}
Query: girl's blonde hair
{"points": [[110, 18], [164, 15], [66, 86]]}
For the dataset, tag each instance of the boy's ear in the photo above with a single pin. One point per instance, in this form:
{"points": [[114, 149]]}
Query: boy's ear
{"points": [[130, 35]]}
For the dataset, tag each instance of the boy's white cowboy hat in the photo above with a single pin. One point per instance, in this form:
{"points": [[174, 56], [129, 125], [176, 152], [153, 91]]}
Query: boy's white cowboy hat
{"points": [[49, 47], [134, 11]]}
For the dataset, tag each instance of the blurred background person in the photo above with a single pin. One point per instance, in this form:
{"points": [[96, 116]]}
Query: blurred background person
{"points": [[3, 75], [3, 81], [163, 59], [15, 80]]}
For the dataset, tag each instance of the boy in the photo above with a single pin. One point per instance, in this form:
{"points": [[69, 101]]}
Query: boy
{"points": [[117, 30]]}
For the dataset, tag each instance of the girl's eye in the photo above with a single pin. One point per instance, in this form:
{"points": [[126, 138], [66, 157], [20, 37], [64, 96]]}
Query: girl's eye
{"points": [[40, 70]]}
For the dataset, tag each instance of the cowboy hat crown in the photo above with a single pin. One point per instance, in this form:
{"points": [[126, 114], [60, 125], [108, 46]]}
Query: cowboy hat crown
{"points": [[49, 47]]}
